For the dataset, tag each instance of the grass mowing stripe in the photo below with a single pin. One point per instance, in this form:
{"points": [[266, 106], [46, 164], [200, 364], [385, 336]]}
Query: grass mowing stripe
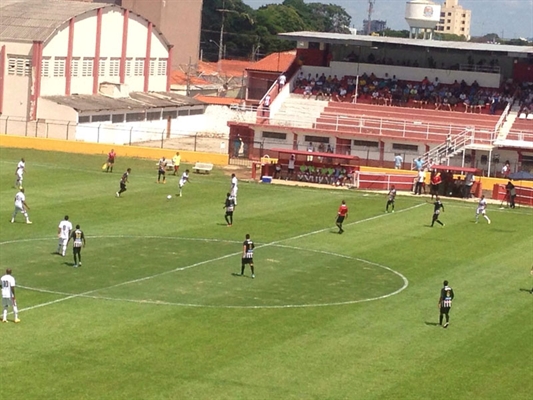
{"points": [[85, 294]]}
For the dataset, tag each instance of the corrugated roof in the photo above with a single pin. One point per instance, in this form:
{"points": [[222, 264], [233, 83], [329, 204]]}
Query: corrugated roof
{"points": [[37, 20], [136, 101], [360, 40], [275, 62]]}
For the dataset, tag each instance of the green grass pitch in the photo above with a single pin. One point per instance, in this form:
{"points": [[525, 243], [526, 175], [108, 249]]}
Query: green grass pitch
{"points": [[155, 312]]}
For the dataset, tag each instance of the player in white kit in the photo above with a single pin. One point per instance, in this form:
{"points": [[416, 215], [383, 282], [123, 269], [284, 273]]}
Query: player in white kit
{"points": [[19, 173], [63, 234], [482, 209], [21, 206], [234, 188], [8, 295], [184, 179]]}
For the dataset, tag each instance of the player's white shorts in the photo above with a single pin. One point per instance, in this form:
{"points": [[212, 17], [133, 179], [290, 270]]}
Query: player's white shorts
{"points": [[62, 241], [480, 211], [7, 302], [234, 192], [19, 210], [181, 183]]}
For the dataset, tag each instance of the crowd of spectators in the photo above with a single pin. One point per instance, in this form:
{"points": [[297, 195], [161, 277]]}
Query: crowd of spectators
{"points": [[391, 91], [524, 95]]}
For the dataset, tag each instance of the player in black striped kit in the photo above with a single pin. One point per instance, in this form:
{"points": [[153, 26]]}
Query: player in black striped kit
{"points": [[445, 303], [248, 254], [229, 205], [437, 206], [78, 238]]}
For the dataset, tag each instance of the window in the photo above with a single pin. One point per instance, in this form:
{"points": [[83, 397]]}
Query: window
{"points": [[449, 14], [441, 21], [275, 135], [139, 67], [129, 62], [162, 67], [183, 112], [447, 28], [117, 118], [442, 14], [365, 143], [59, 66], [464, 15], [449, 21], [85, 119], [18, 66], [114, 67], [196, 111], [132, 117], [172, 114], [101, 118], [101, 66], [462, 29], [319, 139], [152, 66], [153, 115], [74, 66], [406, 147], [87, 66], [45, 67]]}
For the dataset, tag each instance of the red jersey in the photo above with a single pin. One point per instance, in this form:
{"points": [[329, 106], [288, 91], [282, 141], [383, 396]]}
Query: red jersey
{"points": [[343, 210], [111, 156]]}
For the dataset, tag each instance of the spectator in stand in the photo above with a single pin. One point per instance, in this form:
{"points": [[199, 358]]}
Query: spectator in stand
{"points": [[506, 169], [282, 79], [341, 96], [290, 170], [308, 91], [418, 163], [266, 106], [398, 161]]}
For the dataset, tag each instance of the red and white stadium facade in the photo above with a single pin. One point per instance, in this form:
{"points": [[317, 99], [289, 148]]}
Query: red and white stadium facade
{"points": [[65, 48]]}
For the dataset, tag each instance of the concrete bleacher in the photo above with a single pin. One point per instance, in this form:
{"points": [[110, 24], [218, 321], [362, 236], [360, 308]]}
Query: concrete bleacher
{"points": [[521, 130], [405, 123]]}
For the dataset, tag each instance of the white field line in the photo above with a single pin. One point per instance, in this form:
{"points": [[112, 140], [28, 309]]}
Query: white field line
{"points": [[85, 294], [167, 303]]}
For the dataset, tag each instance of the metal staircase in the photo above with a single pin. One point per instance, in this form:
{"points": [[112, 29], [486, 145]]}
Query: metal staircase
{"points": [[453, 146]]}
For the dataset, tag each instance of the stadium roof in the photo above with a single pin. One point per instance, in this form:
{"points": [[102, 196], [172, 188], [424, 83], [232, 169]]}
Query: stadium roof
{"points": [[370, 41], [135, 101], [37, 20]]}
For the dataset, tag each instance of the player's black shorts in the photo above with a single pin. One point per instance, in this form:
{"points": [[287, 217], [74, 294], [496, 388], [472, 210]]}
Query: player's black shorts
{"points": [[76, 250], [122, 186], [445, 310], [229, 213], [247, 260], [340, 219]]}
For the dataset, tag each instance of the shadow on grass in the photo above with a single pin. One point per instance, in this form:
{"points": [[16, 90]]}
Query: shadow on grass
{"points": [[431, 323], [526, 290]]}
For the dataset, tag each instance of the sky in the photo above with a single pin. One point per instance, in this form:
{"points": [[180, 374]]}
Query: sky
{"points": [[512, 18]]}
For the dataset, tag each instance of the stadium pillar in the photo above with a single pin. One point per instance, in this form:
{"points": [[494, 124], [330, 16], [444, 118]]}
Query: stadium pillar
{"points": [[381, 152], [124, 46], [68, 62], [147, 58], [473, 158], [2, 73], [96, 66]]}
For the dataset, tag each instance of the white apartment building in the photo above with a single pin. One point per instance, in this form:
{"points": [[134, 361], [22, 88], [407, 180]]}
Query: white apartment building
{"points": [[454, 19]]}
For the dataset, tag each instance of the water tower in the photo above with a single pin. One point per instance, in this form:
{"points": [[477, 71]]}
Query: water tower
{"points": [[422, 17]]}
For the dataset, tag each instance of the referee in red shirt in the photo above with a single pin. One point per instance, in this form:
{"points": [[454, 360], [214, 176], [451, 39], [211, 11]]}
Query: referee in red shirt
{"points": [[342, 214]]}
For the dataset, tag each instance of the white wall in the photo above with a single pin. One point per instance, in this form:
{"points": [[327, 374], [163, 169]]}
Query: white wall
{"points": [[16, 88], [110, 48]]}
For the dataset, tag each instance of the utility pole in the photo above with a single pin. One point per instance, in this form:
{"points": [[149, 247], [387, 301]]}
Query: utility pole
{"points": [[188, 90], [370, 11]]}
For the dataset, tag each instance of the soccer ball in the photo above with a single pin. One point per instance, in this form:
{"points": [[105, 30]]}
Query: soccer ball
{"points": [[169, 196]]}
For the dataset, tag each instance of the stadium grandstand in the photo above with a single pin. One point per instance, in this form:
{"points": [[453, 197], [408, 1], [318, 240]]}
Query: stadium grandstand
{"points": [[459, 104]]}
